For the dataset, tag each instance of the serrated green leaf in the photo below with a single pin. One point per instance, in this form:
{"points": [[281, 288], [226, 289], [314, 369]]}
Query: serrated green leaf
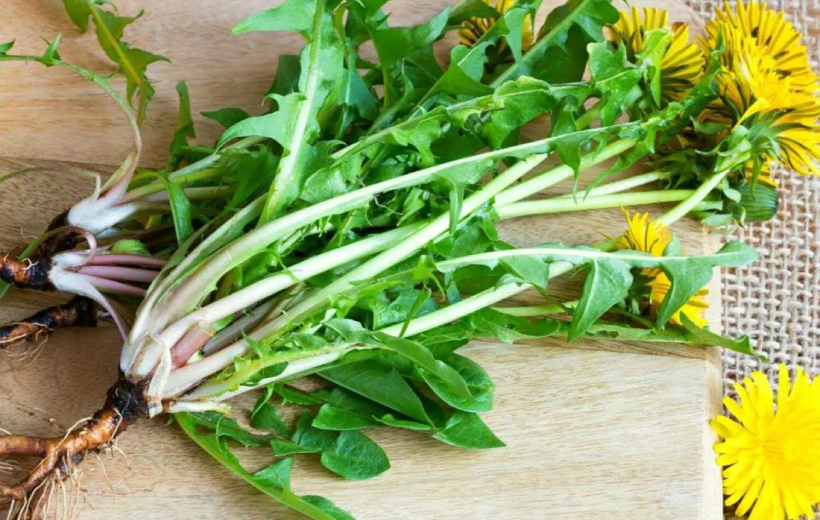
{"points": [[467, 9], [291, 15], [267, 417], [390, 420], [480, 385], [355, 456], [606, 284], [328, 507], [180, 210], [463, 76], [522, 100], [380, 384], [228, 116], [224, 426], [276, 125], [587, 17], [424, 359], [655, 44], [330, 417], [467, 430], [185, 128], [322, 67], [395, 43], [742, 345], [276, 475], [133, 62], [283, 448], [293, 395], [615, 77], [691, 276], [317, 508]]}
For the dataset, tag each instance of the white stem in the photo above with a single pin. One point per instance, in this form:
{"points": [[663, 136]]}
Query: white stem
{"points": [[204, 278], [405, 249], [234, 330], [147, 320], [267, 287], [296, 367], [81, 285], [97, 218], [201, 406], [429, 232]]}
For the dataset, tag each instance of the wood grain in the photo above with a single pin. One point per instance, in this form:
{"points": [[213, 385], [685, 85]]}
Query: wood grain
{"points": [[595, 429]]}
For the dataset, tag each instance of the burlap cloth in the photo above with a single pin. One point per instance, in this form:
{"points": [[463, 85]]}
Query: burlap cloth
{"points": [[777, 299]]}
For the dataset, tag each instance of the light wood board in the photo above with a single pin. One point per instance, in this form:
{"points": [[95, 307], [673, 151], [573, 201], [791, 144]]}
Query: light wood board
{"points": [[595, 429]]}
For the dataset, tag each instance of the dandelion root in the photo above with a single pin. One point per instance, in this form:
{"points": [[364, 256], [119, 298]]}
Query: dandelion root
{"points": [[123, 406], [79, 312]]}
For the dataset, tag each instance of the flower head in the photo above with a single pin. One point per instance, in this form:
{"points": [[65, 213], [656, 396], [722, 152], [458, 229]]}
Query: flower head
{"points": [[650, 237], [766, 84], [772, 35], [474, 28], [682, 63], [771, 458]]}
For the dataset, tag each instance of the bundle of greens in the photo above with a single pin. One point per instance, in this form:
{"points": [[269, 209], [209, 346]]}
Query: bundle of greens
{"points": [[359, 241]]}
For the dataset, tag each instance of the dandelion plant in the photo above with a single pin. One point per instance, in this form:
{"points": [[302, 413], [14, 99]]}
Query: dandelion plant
{"points": [[357, 244]]}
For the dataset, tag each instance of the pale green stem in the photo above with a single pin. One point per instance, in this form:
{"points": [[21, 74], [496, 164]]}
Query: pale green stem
{"points": [[379, 263], [622, 185], [205, 162], [202, 281], [537, 310], [548, 206], [406, 248], [156, 187], [538, 183], [689, 204], [589, 116]]}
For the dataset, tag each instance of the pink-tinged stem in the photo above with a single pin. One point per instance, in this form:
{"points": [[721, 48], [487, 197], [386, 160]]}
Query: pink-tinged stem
{"points": [[123, 174], [103, 301], [126, 274], [126, 259], [193, 340], [117, 287], [89, 238]]}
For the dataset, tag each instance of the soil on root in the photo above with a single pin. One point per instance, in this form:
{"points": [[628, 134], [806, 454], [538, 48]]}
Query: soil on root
{"points": [[78, 312], [124, 405]]}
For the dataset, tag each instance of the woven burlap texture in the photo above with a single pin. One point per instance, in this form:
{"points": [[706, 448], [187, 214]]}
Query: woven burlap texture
{"points": [[777, 299]]}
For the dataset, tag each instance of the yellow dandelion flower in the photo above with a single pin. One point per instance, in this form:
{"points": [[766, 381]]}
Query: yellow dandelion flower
{"points": [[682, 64], [772, 35], [472, 29], [650, 237], [766, 83], [769, 106], [771, 458], [751, 83]]}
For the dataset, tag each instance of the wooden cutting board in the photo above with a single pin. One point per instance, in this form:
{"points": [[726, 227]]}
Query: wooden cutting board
{"points": [[595, 429]]}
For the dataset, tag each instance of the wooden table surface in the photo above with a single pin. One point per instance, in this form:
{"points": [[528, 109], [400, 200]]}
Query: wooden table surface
{"points": [[595, 429]]}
